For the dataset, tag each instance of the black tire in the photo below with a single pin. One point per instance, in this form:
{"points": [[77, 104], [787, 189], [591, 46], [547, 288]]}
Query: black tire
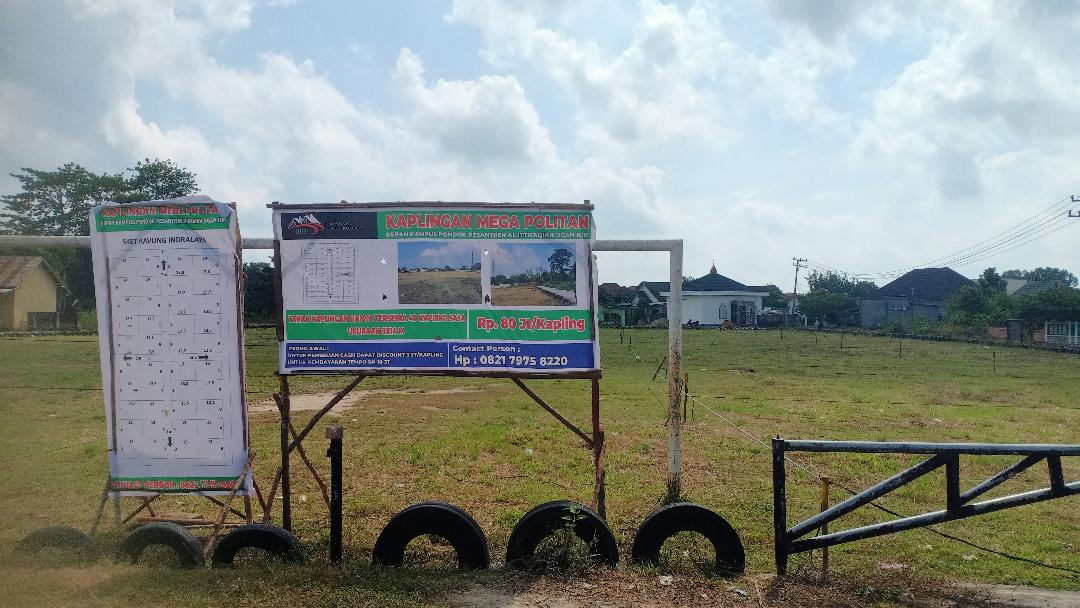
{"points": [[272, 539], [60, 537], [543, 520], [186, 546], [669, 520], [438, 519]]}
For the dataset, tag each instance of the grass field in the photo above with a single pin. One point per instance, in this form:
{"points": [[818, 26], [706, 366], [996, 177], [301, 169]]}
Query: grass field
{"points": [[440, 287], [492, 451], [523, 295]]}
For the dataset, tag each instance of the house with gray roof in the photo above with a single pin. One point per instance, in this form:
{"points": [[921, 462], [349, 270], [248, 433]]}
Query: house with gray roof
{"points": [[921, 292], [1034, 288], [710, 300]]}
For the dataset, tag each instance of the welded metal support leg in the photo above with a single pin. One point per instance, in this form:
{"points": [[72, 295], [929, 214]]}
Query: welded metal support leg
{"points": [[335, 434], [101, 505], [779, 506], [286, 497], [674, 374], [599, 494], [116, 509], [952, 482], [825, 482]]}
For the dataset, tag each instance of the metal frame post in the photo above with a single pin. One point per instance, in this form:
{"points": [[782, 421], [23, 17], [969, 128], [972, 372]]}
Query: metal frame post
{"points": [[335, 434], [674, 247], [779, 480], [674, 421], [599, 493]]}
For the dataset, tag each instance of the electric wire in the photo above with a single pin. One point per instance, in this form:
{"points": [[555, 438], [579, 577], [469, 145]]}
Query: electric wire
{"points": [[1028, 230]]}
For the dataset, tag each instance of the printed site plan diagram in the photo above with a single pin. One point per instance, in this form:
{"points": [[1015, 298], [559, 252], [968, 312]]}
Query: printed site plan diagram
{"points": [[166, 275], [437, 287]]}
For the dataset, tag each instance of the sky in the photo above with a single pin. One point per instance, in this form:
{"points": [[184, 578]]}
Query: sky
{"points": [[437, 254], [518, 258], [867, 137]]}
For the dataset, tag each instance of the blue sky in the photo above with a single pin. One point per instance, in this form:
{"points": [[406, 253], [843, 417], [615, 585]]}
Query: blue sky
{"points": [[517, 258], [435, 254], [867, 136]]}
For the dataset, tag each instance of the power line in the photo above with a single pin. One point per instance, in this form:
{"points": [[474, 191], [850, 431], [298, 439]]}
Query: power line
{"points": [[1051, 212], [1033, 228]]}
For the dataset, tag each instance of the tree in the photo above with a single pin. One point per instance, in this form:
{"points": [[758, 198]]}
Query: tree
{"points": [[968, 300], [1044, 273], [833, 296], [835, 308], [57, 203], [156, 180], [972, 306], [561, 261], [259, 297], [775, 299], [1058, 304], [834, 282], [991, 282]]}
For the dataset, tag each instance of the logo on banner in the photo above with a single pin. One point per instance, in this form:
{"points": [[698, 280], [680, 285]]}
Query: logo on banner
{"points": [[329, 225], [306, 224]]}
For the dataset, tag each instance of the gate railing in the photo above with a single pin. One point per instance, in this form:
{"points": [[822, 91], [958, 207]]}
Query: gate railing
{"points": [[958, 504]]}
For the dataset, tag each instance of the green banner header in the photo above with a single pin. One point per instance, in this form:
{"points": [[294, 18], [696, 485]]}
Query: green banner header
{"points": [[133, 218], [493, 224], [173, 484], [412, 324], [439, 324]]}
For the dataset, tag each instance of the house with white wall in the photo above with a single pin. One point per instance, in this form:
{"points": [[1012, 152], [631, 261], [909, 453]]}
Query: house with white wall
{"points": [[710, 300]]}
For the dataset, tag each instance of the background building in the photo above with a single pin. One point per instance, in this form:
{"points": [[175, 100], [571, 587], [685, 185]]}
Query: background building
{"points": [[29, 293], [921, 292]]}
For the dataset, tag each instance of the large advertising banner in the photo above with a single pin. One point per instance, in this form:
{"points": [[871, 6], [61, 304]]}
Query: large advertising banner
{"points": [[437, 288], [167, 275]]}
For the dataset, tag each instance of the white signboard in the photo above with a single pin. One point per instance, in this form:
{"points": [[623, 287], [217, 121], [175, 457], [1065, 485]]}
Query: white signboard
{"points": [[166, 275]]}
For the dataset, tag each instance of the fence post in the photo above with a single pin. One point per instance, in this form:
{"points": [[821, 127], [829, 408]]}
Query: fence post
{"points": [[825, 530], [779, 506], [334, 434]]}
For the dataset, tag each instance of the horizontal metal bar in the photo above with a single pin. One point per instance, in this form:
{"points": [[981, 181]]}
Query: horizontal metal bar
{"points": [[929, 519], [18, 240], [268, 243], [636, 244], [1001, 478], [842, 508], [911, 447]]}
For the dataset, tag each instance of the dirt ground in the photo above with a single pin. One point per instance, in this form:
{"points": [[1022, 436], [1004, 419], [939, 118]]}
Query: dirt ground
{"points": [[523, 295], [437, 287]]}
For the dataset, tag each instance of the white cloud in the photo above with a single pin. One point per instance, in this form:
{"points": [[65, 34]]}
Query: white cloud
{"points": [[487, 119], [679, 76], [993, 83], [755, 133]]}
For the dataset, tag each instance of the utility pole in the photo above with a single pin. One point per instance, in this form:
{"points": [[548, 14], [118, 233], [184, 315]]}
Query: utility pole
{"points": [[1076, 199], [797, 263]]}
